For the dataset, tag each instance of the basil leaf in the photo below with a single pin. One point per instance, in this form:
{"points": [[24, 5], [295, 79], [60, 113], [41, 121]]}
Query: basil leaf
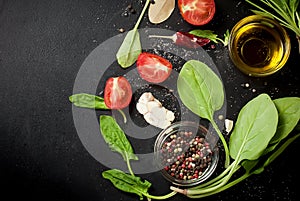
{"points": [[116, 138], [130, 49], [88, 101], [200, 89], [256, 125], [127, 183]]}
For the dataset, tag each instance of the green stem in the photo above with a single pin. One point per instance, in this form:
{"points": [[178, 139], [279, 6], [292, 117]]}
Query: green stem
{"points": [[141, 15], [123, 115], [160, 197], [227, 157], [220, 184], [129, 167], [213, 181], [238, 180]]}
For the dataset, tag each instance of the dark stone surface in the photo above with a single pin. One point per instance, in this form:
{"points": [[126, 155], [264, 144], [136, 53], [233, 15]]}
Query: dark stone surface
{"points": [[42, 46]]}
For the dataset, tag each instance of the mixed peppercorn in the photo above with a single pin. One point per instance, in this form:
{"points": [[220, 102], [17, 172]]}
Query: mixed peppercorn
{"points": [[186, 156]]}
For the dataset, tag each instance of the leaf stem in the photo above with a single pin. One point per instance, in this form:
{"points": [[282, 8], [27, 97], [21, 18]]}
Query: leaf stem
{"points": [[212, 181], [123, 115], [220, 183], [160, 197], [129, 166], [238, 180], [141, 15], [227, 158]]}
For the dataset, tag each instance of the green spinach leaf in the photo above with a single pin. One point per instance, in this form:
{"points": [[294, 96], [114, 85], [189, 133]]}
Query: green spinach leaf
{"points": [[131, 46], [88, 101], [127, 183], [115, 137], [289, 115], [200, 89], [249, 165], [256, 125], [130, 49]]}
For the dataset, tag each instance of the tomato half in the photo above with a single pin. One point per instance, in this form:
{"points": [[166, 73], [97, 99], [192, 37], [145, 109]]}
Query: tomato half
{"points": [[117, 93], [153, 68], [197, 12]]}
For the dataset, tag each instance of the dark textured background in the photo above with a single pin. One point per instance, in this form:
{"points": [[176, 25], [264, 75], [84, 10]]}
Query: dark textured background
{"points": [[42, 46]]}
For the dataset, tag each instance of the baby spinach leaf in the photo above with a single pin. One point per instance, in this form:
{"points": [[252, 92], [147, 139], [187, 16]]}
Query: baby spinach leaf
{"points": [[200, 89], [289, 115], [88, 101], [130, 49], [127, 183], [269, 159], [256, 125], [131, 46], [116, 138]]}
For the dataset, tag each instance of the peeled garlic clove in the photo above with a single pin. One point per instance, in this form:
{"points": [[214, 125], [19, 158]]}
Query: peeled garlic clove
{"points": [[146, 97], [163, 124], [151, 119], [141, 108], [153, 104], [170, 115], [159, 113], [228, 125]]}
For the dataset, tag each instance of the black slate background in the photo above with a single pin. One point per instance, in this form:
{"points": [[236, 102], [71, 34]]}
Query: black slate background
{"points": [[42, 46]]}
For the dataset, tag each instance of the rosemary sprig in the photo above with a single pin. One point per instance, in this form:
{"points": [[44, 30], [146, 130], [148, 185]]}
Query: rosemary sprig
{"points": [[284, 11]]}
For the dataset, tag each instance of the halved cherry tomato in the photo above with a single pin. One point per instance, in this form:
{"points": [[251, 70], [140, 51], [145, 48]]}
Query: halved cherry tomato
{"points": [[117, 93], [197, 12], [153, 68]]}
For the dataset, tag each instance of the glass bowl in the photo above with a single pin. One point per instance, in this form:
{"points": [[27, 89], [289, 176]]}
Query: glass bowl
{"points": [[187, 153], [259, 46]]}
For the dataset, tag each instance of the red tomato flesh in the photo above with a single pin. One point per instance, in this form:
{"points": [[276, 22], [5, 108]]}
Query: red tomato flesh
{"points": [[117, 93], [197, 12], [153, 68]]}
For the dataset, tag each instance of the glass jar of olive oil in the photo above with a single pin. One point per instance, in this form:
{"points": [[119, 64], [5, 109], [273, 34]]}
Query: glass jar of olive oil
{"points": [[259, 46]]}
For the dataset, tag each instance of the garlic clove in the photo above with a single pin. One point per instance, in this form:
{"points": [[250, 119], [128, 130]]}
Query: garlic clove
{"points": [[159, 113], [228, 125], [141, 108], [151, 119], [170, 115], [146, 97], [153, 104]]}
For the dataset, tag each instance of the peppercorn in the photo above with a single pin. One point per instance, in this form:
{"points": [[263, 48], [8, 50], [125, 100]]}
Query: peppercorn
{"points": [[186, 163]]}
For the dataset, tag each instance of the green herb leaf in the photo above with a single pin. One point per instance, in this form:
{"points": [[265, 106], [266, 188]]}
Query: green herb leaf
{"points": [[289, 115], [200, 89], [256, 125], [127, 183], [257, 12], [251, 167], [205, 34], [284, 11], [226, 38], [131, 46], [88, 101], [130, 49], [116, 138], [211, 35]]}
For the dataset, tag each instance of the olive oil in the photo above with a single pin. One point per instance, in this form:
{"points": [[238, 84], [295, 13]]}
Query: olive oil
{"points": [[259, 47]]}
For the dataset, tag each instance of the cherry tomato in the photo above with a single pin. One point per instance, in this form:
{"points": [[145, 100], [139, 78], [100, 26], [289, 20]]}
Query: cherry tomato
{"points": [[197, 12], [117, 93], [153, 68]]}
